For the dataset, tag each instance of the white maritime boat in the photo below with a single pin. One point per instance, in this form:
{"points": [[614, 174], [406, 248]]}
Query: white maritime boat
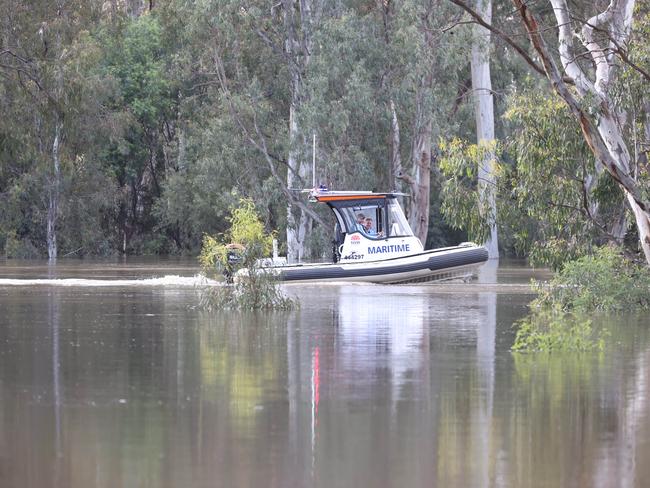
{"points": [[374, 243]]}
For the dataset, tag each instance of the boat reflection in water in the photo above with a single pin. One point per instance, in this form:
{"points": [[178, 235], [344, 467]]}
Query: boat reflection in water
{"points": [[391, 389], [364, 385]]}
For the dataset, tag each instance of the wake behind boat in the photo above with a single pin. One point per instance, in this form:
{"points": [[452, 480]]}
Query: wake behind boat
{"points": [[373, 242]]}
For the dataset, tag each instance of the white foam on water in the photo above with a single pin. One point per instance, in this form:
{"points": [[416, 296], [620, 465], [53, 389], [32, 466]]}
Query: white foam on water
{"points": [[169, 280]]}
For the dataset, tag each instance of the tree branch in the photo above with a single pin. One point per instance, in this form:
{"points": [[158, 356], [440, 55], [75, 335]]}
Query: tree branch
{"points": [[259, 143], [504, 37], [618, 171], [618, 49]]}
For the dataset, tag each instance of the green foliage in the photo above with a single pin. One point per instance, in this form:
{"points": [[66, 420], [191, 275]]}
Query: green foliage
{"points": [[561, 315], [154, 151], [247, 242], [553, 204], [553, 330], [549, 182], [463, 205], [605, 281], [246, 232]]}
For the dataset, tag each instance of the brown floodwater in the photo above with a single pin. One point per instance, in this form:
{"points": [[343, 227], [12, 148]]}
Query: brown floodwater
{"points": [[112, 376]]}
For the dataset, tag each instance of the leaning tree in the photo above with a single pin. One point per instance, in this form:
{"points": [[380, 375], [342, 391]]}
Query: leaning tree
{"points": [[591, 50]]}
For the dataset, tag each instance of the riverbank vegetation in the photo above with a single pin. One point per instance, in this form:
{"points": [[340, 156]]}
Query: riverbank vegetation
{"points": [[241, 247], [133, 127], [562, 315]]}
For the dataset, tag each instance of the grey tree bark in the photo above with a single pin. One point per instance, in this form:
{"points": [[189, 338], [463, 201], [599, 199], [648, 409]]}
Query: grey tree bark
{"points": [[54, 191], [484, 113], [54, 187], [417, 181], [300, 18], [603, 129]]}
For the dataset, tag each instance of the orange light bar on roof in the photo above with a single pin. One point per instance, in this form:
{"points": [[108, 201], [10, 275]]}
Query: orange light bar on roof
{"points": [[332, 198]]}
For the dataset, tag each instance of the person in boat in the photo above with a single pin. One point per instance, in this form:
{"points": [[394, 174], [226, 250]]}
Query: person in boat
{"points": [[367, 227], [369, 230], [361, 222]]}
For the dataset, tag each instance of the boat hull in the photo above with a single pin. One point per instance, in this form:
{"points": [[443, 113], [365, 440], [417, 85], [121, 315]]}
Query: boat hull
{"points": [[434, 265]]}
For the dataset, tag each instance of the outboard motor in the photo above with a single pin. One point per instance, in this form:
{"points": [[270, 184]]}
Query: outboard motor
{"points": [[337, 242], [234, 259]]}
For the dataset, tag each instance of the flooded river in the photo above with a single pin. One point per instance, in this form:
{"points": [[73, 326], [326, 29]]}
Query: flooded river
{"points": [[111, 376]]}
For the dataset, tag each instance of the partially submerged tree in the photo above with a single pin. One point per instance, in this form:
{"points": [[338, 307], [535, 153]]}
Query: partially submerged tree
{"points": [[242, 246], [558, 206], [416, 80], [484, 114]]}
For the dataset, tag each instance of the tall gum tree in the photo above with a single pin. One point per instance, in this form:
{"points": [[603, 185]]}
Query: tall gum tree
{"points": [[416, 180], [484, 113], [598, 43], [283, 36], [300, 19], [33, 56], [592, 102]]}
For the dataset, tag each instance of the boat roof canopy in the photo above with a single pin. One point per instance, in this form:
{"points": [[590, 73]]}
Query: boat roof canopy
{"points": [[322, 195]]}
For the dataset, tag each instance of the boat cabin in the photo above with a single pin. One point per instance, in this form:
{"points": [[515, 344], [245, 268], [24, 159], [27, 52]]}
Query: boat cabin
{"points": [[369, 226]]}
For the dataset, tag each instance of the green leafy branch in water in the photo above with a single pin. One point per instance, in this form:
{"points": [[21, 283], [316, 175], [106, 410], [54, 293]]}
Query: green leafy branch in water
{"points": [[241, 247], [606, 281], [561, 315], [552, 330]]}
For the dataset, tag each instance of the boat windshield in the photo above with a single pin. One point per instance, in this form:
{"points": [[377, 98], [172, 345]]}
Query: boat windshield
{"points": [[367, 219], [375, 220], [398, 226]]}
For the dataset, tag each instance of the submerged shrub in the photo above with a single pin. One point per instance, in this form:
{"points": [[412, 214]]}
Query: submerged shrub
{"points": [[241, 247], [605, 281], [560, 317], [554, 329]]}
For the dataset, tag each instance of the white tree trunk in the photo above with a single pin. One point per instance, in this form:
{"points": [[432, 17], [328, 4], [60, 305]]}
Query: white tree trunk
{"points": [[395, 157], [298, 46], [603, 132], [297, 220], [419, 215], [53, 192], [484, 112]]}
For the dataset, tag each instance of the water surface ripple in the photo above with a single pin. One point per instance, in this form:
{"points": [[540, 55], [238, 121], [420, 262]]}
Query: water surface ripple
{"points": [[131, 384]]}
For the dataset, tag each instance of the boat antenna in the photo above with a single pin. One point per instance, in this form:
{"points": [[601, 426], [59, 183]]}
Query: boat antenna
{"points": [[313, 162]]}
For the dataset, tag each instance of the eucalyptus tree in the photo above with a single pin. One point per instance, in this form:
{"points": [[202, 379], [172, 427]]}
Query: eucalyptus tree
{"points": [[381, 92], [144, 100], [260, 53], [43, 91], [370, 79], [427, 19], [484, 113], [593, 42], [301, 18], [559, 206]]}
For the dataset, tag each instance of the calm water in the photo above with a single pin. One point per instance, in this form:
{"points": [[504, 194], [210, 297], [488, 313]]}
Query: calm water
{"points": [[131, 385]]}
